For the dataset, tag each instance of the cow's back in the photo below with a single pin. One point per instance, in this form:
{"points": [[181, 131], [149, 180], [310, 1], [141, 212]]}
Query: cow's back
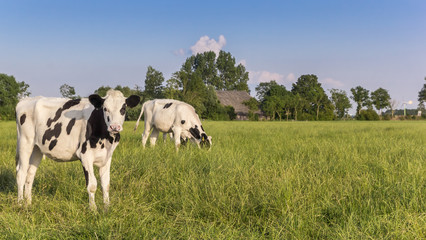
{"points": [[163, 116], [56, 125]]}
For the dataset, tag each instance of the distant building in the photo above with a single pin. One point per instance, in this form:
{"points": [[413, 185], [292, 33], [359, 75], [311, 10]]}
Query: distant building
{"points": [[236, 99]]}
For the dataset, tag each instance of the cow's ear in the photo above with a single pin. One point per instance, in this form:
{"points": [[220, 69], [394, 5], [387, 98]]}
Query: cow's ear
{"points": [[96, 100], [133, 101]]}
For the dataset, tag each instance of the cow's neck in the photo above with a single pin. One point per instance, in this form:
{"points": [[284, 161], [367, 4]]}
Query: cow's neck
{"points": [[97, 128]]}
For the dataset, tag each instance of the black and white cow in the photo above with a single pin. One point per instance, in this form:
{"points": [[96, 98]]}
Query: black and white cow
{"points": [[67, 130], [172, 116]]}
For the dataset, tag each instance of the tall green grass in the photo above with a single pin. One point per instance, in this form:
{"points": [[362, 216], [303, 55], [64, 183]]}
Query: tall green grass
{"points": [[270, 180]]}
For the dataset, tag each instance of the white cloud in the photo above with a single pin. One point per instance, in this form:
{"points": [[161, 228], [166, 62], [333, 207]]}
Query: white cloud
{"points": [[206, 44], [180, 52], [333, 83], [242, 62], [291, 78], [265, 76]]}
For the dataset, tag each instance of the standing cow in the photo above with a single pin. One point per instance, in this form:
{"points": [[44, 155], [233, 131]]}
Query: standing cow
{"points": [[68, 130], [172, 116]]}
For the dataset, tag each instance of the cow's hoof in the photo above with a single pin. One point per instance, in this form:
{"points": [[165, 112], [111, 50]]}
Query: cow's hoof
{"points": [[93, 208]]}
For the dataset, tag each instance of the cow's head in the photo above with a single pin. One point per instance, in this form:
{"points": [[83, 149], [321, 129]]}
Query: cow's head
{"points": [[114, 108], [200, 137], [206, 141]]}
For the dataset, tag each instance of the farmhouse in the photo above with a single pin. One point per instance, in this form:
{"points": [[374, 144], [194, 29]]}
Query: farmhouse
{"points": [[236, 99]]}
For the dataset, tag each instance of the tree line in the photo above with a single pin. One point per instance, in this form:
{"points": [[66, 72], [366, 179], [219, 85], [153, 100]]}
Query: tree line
{"points": [[201, 75], [307, 100]]}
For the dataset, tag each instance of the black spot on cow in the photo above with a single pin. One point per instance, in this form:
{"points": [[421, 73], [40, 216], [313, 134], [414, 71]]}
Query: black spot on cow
{"points": [[110, 139], [167, 105], [22, 119], [97, 129], [52, 144], [183, 141], [57, 116], [70, 125], [195, 132], [117, 137], [202, 128], [123, 110], [84, 148], [93, 142], [58, 113], [49, 133], [71, 103], [102, 146], [182, 122], [86, 176]]}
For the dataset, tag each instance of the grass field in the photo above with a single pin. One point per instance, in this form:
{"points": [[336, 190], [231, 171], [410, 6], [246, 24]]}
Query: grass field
{"points": [[261, 180]]}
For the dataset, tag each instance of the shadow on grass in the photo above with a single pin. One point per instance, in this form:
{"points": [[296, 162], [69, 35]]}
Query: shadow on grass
{"points": [[7, 181]]}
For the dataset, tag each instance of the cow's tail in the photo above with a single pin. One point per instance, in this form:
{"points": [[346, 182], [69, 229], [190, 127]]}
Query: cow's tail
{"points": [[140, 115]]}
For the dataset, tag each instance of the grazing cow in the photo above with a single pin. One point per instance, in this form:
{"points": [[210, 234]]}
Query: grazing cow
{"points": [[67, 130], [172, 116]]}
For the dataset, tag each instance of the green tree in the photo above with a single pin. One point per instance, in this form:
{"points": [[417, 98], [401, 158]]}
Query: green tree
{"points": [[299, 103], [252, 104], [310, 89], [422, 97], [205, 64], [341, 102], [264, 88], [200, 75], [380, 99], [153, 84], [272, 98], [101, 91], [360, 95], [191, 85], [23, 90], [67, 91], [10, 93], [231, 77], [171, 91], [288, 104], [242, 78], [273, 106]]}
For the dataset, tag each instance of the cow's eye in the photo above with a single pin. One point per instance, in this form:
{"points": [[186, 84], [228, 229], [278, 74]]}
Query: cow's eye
{"points": [[123, 110], [105, 109]]}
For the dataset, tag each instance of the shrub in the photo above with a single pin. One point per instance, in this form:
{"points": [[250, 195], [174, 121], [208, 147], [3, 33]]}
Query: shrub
{"points": [[368, 115]]}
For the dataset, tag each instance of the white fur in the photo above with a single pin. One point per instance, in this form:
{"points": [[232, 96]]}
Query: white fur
{"points": [[169, 120], [30, 147]]}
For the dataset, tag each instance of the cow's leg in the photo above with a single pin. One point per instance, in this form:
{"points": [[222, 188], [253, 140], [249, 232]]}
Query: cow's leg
{"points": [[104, 173], [145, 133], [176, 136], [25, 149], [164, 137], [35, 160], [91, 183], [154, 136]]}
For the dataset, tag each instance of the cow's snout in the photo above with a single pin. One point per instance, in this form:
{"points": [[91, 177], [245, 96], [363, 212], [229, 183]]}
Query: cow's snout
{"points": [[115, 128]]}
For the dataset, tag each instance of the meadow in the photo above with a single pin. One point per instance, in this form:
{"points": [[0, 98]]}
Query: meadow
{"points": [[260, 180]]}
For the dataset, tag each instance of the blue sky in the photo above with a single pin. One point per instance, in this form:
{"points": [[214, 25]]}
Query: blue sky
{"points": [[87, 44]]}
